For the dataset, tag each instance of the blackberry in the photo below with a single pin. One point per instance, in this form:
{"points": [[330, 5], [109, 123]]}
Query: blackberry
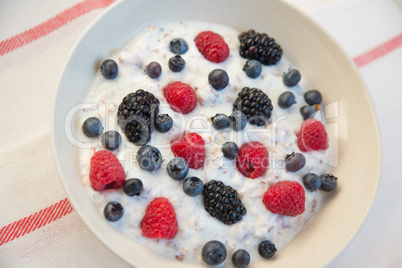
{"points": [[259, 46], [136, 115], [255, 104], [222, 202]]}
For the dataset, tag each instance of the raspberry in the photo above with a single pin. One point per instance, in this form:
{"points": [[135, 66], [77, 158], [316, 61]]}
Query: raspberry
{"points": [[212, 46], [252, 160], [106, 171], [181, 97], [312, 136], [285, 198], [159, 221], [192, 148]]}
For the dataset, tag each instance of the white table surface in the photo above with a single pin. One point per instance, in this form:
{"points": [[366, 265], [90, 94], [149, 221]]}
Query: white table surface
{"points": [[28, 79]]}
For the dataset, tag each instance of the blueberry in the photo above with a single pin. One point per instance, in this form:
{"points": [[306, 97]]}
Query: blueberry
{"points": [[291, 78], [132, 187], [307, 111], [218, 79], [193, 186], [163, 123], [178, 46], [111, 140], [149, 158], [176, 63], [312, 182], [153, 69], [92, 127], [266, 249], [230, 150], [238, 120], [295, 161], [313, 97], [213, 253], [177, 168], [241, 258], [328, 182], [113, 211], [220, 121], [286, 99], [109, 69], [252, 68]]}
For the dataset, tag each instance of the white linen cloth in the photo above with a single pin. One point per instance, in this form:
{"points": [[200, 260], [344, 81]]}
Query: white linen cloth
{"points": [[370, 31]]}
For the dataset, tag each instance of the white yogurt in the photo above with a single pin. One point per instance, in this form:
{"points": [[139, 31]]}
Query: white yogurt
{"points": [[196, 226]]}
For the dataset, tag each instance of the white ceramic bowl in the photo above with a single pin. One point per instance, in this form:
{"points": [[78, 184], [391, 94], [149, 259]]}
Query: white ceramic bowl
{"points": [[308, 47]]}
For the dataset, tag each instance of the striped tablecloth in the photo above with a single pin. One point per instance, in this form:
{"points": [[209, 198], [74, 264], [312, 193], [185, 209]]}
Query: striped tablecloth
{"points": [[39, 228]]}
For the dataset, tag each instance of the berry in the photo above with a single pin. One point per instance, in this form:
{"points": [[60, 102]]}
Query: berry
{"points": [[213, 253], [106, 171], [252, 160], [113, 211], [92, 127], [328, 182], [163, 123], [149, 158], [252, 68], [191, 147], [133, 187], [312, 136], [193, 186], [291, 78], [307, 111], [230, 150], [218, 79], [177, 168], [181, 97], [266, 249], [220, 121], [135, 115], [109, 69], [178, 46], [240, 258], [223, 203], [286, 99], [176, 63], [159, 221], [259, 46], [294, 162], [313, 97], [285, 198], [238, 120], [138, 132], [153, 69], [312, 182], [255, 104], [212, 46], [111, 140]]}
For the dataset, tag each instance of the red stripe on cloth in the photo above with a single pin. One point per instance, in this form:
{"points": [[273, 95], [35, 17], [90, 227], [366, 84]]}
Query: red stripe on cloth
{"points": [[52, 24], [35, 221], [379, 51]]}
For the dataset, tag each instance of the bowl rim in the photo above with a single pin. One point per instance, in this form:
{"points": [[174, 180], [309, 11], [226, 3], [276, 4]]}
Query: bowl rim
{"points": [[288, 5]]}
